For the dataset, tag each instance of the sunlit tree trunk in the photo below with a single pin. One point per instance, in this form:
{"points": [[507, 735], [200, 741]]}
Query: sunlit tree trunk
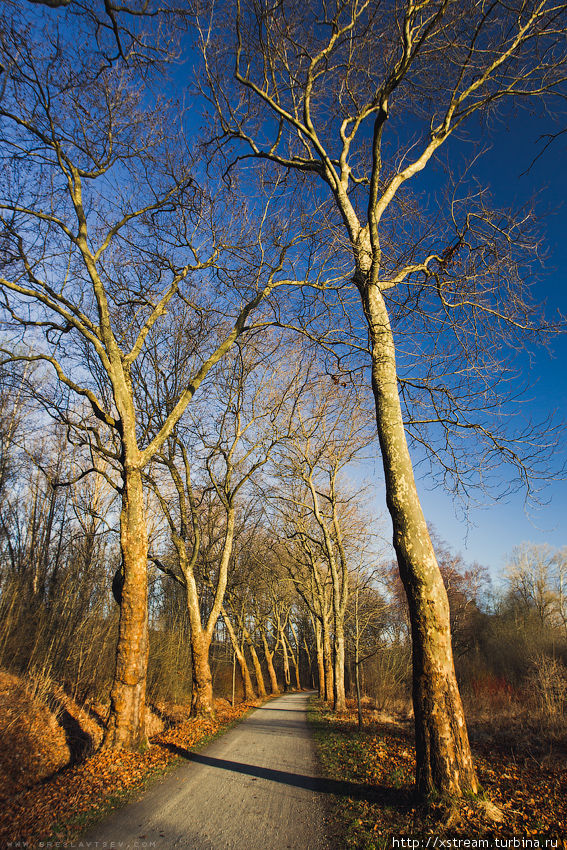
{"points": [[270, 664], [328, 661], [444, 762], [339, 696], [126, 728], [249, 693], [294, 658], [202, 699], [294, 655], [358, 693], [320, 657], [256, 663], [287, 677], [357, 662]]}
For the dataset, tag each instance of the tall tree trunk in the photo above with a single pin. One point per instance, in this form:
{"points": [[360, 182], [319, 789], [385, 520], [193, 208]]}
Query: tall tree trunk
{"points": [[296, 671], [271, 672], [126, 726], [294, 660], [295, 656], [249, 693], [443, 758], [285, 662], [309, 661], [320, 658], [339, 696], [357, 683], [357, 659], [202, 698], [328, 660], [257, 666]]}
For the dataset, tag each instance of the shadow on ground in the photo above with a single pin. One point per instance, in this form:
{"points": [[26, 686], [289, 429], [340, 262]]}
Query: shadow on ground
{"points": [[372, 794]]}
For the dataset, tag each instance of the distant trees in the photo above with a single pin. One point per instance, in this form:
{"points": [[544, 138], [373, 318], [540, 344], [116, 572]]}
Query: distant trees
{"points": [[320, 522], [536, 576], [57, 555], [246, 415], [366, 623]]}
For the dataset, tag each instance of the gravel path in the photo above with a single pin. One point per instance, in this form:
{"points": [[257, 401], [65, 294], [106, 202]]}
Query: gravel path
{"points": [[255, 788]]}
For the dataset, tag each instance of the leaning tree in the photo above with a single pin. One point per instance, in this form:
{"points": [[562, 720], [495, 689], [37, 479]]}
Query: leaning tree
{"points": [[352, 101]]}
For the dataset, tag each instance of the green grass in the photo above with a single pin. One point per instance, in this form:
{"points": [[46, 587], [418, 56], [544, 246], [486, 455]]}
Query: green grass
{"points": [[341, 758]]}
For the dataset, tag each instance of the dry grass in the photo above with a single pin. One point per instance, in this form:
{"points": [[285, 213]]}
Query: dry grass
{"points": [[32, 743], [43, 730]]}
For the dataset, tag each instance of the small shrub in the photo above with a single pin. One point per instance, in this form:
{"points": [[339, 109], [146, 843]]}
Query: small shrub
{"points": [[548, 681]]}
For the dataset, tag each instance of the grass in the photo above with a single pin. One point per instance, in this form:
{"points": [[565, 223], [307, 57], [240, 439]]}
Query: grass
{"points": [[376, 769], [345, 755]]}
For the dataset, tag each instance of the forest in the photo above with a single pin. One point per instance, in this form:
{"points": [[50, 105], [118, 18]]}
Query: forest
{"points": [[253, 279]]}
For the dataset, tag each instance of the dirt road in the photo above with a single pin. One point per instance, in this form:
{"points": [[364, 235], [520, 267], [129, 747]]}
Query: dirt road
{"points": [[255, 788]]}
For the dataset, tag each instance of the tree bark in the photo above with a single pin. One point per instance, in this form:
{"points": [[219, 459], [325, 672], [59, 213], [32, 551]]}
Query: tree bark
{"points": [[339, 696], [287, 678], [294, 658], [296, 671], [320, 659], [202, 699], [358, 693], [328, 661], [271, 672], [257, 666], [126, 727], [249, 693], [444, 763]]}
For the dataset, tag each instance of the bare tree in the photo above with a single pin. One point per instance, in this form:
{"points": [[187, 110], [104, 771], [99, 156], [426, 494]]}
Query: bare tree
{"points": [[330, 434], [104, 230], [308, 570], [356, 99], [244, 592], [137, 32], [537, 576], [365, 625], [244, 417], [238, 647]]}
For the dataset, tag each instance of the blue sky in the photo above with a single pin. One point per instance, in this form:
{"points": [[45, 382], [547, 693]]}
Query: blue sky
{"points": [[494, 529]]}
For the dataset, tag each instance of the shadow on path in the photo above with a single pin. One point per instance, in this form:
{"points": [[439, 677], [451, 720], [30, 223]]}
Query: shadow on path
{"points": [[372, 794]]}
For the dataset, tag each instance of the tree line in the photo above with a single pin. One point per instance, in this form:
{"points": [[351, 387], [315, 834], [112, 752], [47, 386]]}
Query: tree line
{"points": [[284, 620]]}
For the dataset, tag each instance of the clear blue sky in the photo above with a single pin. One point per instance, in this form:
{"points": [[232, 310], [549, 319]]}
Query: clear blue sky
{"points": [[493, 530]]}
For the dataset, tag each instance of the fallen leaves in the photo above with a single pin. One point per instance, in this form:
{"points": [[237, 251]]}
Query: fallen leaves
{"points": [[63, 806], [529, 797]]}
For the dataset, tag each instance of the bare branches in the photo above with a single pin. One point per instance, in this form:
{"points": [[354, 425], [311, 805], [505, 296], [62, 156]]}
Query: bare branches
{"points": [[313, 84]]}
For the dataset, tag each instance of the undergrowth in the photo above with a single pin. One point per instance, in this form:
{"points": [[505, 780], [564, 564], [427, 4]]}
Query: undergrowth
{"points": [[373, 773]]}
